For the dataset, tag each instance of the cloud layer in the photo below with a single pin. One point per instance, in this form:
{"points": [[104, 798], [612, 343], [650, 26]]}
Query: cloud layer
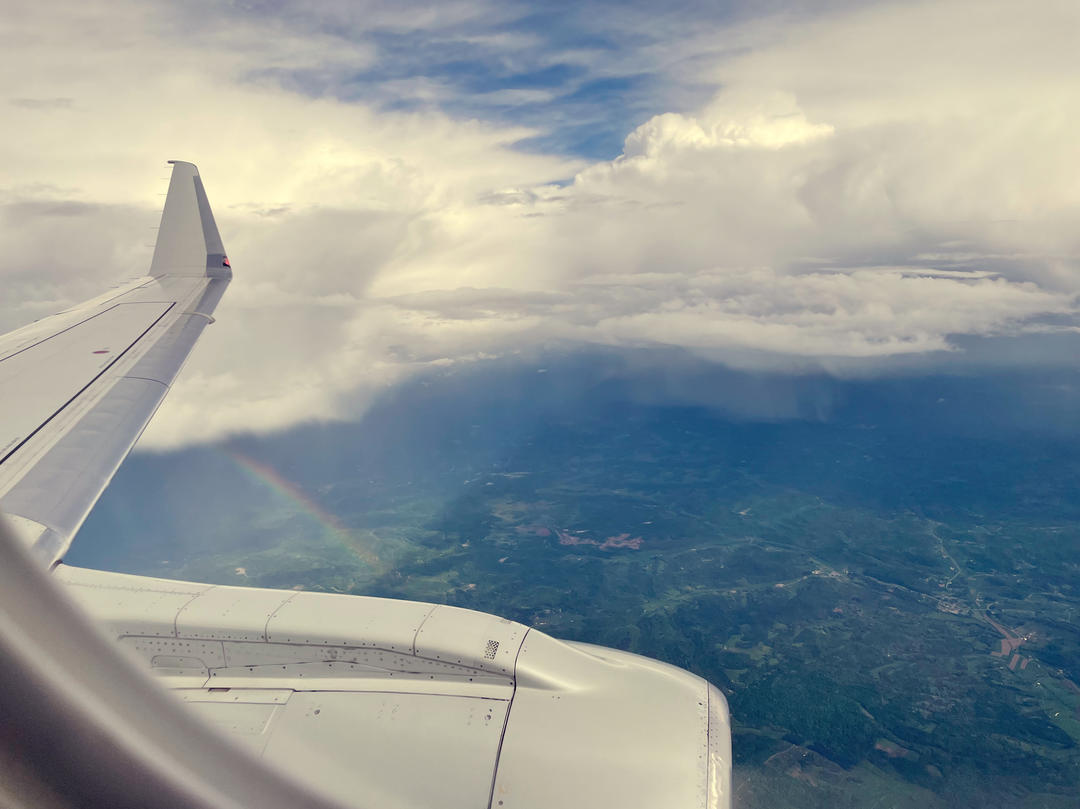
{"points": [[860, 185]]}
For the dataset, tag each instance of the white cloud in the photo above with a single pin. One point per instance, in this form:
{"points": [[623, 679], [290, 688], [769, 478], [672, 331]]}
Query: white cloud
{"points": [[770, 121], [863, 185]]}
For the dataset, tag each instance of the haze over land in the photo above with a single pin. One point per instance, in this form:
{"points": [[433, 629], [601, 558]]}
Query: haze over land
{"points": [[882, 577]]}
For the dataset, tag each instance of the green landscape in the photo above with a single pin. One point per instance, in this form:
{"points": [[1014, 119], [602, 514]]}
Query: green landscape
{"points": [[892, 610]]}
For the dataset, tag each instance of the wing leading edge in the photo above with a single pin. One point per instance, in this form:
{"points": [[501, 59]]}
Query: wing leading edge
{"points": [[78, 388]]}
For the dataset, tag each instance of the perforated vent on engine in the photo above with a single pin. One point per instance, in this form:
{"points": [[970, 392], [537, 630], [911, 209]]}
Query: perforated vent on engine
{"points": [[492, 648]]}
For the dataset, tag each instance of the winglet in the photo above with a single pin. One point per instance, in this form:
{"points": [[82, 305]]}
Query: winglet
{"points": [[188, 241]]}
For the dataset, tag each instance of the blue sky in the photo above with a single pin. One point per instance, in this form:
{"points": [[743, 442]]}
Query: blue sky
{"points": [[555, 71], [583, 74]]}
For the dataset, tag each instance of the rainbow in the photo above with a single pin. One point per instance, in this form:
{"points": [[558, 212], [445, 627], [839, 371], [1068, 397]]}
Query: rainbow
{"points": [[282, 486]]}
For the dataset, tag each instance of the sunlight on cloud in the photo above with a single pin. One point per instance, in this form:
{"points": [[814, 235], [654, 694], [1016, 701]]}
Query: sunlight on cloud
{"points": [[863, 186], [771, 122]]}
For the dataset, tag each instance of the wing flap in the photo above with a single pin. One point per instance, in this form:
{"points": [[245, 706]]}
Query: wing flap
{"points": [[165, 356]]}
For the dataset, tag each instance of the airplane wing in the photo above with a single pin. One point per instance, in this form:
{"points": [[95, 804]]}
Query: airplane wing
{"points": [[77, 388], [372, 702]]}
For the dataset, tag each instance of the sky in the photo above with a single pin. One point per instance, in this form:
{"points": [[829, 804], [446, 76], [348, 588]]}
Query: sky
{"points": [[798, 187]]}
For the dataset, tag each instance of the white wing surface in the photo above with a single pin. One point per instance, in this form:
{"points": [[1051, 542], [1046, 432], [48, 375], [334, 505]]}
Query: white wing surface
{"points": [[77, 388]]}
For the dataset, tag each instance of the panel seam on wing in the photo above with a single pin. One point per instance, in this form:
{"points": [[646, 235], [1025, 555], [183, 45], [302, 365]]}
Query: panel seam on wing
{"points": [[85, 387], [506, 719]]}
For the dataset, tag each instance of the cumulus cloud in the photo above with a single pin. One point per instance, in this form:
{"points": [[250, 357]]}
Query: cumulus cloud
{"points": [[771, 122], [863, 185]]}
